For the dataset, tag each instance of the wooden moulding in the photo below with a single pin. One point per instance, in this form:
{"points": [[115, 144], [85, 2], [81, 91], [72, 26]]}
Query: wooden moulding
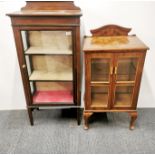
{"points": [[48, 8], [50, 5], [131, 45]]}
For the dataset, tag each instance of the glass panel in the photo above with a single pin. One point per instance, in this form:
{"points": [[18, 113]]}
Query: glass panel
{"points": [[51, 67], [100, 69], [126, 69], [48, 92], [48, 56], [123, 96], [47, 42], [99, 96]]}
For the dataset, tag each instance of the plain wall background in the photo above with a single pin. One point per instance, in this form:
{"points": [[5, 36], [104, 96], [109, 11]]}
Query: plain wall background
{"points": [[139, 15]]}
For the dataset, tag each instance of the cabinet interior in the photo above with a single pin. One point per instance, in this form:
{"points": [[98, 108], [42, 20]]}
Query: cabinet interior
{"points": [[99, 96], [123, 96], [51, 67], [126, 69], [100, 69], [49, 62], [48, 42]]}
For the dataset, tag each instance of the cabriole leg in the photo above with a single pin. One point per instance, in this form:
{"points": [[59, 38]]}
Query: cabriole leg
{"points": [[86, 116], [133, 119]]}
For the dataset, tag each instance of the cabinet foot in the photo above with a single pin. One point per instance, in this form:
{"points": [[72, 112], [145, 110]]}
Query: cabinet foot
{"points": [[78, 116], [133, 119], [86, 127], [30, 116], [86, 116]]}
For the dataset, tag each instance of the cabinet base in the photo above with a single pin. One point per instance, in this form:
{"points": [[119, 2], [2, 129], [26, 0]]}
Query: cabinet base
{"points": [[132, 114]]}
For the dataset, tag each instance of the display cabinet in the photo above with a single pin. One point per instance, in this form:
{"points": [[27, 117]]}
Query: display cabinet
{"points": [[113, 69], [47, 37]]}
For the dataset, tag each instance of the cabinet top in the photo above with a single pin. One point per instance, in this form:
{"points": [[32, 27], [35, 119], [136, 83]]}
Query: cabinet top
{"points": [[48, 8], [113, 43]]}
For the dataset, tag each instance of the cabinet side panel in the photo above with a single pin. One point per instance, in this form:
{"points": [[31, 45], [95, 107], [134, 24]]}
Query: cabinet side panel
{"points": [[77, 64], [87, 81], [139, 77], [21, 60]]}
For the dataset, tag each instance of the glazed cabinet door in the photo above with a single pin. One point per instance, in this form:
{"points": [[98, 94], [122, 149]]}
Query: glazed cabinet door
{"points": [[49, 61], [98, 80], [127, 70]]}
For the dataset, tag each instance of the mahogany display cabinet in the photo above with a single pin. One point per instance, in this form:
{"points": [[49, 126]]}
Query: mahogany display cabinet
{"points": [[47, 37], [113, 69]]}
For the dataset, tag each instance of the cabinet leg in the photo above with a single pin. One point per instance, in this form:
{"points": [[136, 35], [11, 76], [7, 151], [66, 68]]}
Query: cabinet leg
{"points": [[30, 116], [78, 116], [86, 116], [133, 119]]}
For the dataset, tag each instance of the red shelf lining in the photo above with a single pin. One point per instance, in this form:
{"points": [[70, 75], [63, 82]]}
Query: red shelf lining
{"points": [[57, 96]]}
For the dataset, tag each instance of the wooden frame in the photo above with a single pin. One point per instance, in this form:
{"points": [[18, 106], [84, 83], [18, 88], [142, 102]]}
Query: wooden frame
{"points": [[48, 16], [108, 41]]}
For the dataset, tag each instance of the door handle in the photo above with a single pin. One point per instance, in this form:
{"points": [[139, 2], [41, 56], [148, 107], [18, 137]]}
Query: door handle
{"points": [[23, 66], [115, 72], [111, 70]]}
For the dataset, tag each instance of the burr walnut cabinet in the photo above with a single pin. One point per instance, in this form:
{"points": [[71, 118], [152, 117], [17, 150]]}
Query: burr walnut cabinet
{"points": [[47, 37], [113, 69]]}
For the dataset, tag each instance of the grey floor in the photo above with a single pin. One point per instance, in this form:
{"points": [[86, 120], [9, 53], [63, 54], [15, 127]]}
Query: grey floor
{"points": [[53, 133]]}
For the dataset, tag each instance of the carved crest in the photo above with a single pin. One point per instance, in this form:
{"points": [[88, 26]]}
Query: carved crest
{"points": [[50, 5], [111, 30]]}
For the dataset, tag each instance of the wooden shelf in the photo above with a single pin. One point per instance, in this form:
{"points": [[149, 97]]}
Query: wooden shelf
{"points": [[125, 83], [55, 96], [50, 50], [99, 100], [99, 83], [50, 76]]}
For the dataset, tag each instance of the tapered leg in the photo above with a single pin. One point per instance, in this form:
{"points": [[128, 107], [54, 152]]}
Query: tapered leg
{"points": [[133, 119], [30, 116], [78, 116], [86, 116]]}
